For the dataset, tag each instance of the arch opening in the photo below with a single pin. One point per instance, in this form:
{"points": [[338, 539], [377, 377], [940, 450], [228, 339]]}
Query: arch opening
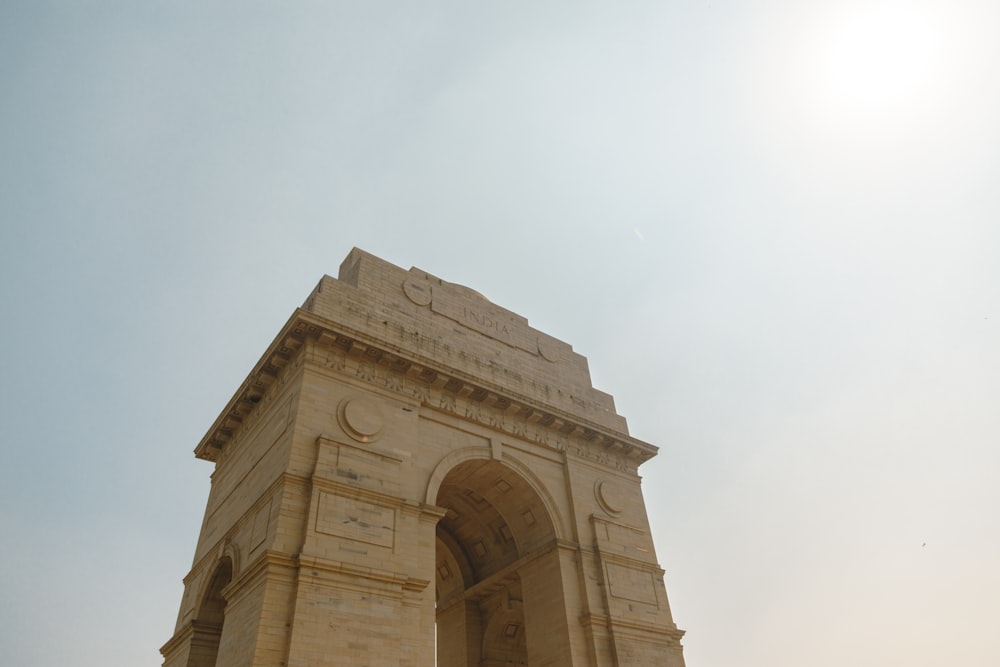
{"points": [[495, 524], [210, 618]]}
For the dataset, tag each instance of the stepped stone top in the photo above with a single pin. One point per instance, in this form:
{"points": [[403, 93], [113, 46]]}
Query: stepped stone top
{"points": [[457, 327], [427, 326]]}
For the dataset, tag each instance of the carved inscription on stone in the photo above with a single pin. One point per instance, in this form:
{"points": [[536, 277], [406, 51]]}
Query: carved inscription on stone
{"points": [[475, 410], [486, 319], [473, 311], [355, 520], [483, 321]]}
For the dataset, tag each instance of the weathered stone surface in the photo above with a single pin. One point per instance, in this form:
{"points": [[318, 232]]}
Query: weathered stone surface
{"points": [[408, 456]]}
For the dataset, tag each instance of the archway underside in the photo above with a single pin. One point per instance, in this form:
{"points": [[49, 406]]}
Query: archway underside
{"points": [[495, 523], [209, 621]]}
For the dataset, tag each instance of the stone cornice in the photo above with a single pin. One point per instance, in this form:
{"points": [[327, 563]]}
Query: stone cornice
{"points": [[669, 636], [394, 579], [182, 635], [338, 347]]}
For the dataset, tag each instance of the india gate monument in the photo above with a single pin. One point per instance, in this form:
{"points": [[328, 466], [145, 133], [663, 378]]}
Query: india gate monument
{"points": [[411, 475]]}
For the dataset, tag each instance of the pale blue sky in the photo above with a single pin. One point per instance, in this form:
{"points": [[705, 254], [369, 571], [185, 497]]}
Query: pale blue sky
{"points": [[771, 226]]}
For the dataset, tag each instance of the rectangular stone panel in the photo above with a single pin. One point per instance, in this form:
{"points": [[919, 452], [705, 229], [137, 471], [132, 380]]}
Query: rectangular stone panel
{"points": [[357, 464], [617, 538], [260, 522], [355, 520], [631, 584], [368, 468]]}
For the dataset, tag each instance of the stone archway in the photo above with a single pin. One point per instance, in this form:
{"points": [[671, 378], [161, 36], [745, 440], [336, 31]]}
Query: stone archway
{"points": [[210, 618], [408, 457], [495, 525]]}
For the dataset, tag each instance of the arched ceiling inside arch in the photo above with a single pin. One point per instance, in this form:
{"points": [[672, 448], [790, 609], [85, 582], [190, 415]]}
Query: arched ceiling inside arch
{"points": [[494, 518], [212, 608]]}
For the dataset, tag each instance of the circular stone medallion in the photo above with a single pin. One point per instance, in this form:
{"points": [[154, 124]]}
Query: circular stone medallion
{"points": [[548, 350], [361, 419], [609, 497], [417, 291]]}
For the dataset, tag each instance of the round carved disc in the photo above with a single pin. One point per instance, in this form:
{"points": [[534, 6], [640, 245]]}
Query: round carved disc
{"points": [[417, 291], [609, 497], [361, 418], [548, 351]]}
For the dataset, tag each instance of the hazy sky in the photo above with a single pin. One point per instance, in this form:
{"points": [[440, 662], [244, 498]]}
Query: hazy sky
{"points": [[772, 227]]}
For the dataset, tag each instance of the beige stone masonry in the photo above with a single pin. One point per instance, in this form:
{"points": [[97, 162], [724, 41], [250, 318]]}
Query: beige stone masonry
{"points": [[409, 461]]}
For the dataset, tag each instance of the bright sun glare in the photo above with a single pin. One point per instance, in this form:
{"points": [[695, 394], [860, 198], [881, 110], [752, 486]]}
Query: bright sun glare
{"points": [[874, 71], [880, 58]]}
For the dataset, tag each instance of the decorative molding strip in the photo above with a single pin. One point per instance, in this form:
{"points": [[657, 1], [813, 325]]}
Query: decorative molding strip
{"points": [[405, 582], [337, 348], [670, 636]]}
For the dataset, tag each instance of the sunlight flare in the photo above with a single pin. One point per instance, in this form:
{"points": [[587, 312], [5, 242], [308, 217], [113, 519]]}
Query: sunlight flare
{"points": [[880, 59]]}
